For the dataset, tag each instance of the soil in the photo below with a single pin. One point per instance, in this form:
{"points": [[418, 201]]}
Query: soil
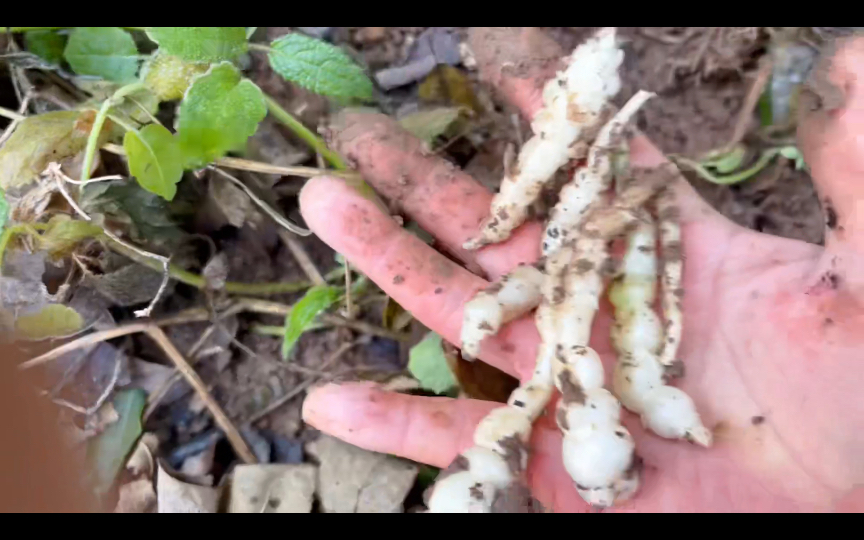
{"points": [[702, 77]]}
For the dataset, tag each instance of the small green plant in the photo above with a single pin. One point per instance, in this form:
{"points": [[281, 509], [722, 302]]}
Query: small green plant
{"points": [[724, 167], [219, 109]]}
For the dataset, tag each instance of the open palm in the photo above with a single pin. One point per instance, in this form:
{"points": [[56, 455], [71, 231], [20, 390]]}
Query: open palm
{"points": [[772, 342]]}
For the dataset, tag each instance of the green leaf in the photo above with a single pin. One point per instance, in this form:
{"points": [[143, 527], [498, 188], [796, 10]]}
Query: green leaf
{"points": [[792, 153], [39, 140], [46, 44], [728, 162], [170, 76], [302, 316], [320, 67], [201, 43], [219, 113], [103, 51], [155, 159], [64, 233], [429, 125], [52, 321], [428, 365], [107, 452]]}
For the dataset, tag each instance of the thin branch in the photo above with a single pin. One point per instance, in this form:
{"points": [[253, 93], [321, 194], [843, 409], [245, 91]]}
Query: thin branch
{"points": [[166, 273], [750, 102], [11, 115], [115, 376], [302, 258], [296, 229], [363, 327], [237, 442], [61, 187]]}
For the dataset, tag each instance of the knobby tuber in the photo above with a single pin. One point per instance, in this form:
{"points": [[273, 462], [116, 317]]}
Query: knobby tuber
{"points": [[565, 287], [573, 105]]}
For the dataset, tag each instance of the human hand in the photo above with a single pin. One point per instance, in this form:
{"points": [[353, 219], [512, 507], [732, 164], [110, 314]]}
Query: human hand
{"points": [[772, 340]]}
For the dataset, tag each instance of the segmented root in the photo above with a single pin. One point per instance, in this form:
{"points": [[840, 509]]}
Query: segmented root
{"points": [[637, 335], [573, 105], [514, 295], [590, 181], [488, 473], [671, 288], [598, 452]]}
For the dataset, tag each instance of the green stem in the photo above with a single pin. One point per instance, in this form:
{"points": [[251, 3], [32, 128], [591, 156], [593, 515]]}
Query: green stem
{"points": [[304, 133], [16, 29], [194, 280], [98, 123], [763, 161]]}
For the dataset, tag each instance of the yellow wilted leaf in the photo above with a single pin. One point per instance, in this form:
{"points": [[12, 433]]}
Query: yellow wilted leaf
{"points": [[39, 140], [448, 85], [54, 320]]}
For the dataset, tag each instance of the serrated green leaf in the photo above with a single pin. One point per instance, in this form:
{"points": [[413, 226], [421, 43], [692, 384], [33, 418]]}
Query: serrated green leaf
{"points": [[219, 113], [201, 43], [155, 159], [64, 233], [52, 321], [46, 44], [170, 76], [107, 452], [429, 125], [320, 67], [303, 313], [39, 140], [428, 365], [102, 51]]}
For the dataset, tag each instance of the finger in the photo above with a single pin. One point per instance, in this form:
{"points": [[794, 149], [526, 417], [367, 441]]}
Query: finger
{"points": [[423, 429], [831, 135], [433, 431], [432, 191], [433, 288]]}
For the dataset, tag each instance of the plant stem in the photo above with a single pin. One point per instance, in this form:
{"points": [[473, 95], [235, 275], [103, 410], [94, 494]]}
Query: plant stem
{"points": [[304, 133], [762, 162], [194, 280], [16, 29], [11, 115], [98, 123]]}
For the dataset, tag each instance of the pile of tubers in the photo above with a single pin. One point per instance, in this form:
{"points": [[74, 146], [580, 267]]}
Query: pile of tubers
{"points": [[604, 200]]}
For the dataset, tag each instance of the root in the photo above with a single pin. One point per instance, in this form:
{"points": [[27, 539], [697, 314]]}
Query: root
{"points": [[638, 336], [514, 295], [573, 105]]}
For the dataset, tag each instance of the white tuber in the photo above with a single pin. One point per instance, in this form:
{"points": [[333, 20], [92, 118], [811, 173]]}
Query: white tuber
{"points": [[590, 181], [514, 295], [573, 104], [638, 337], [598, 452]]}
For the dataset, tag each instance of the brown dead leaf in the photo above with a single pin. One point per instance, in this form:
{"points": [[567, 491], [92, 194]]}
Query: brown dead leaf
{"points": [[141, 461], [479, 380], [353, 480], [272, 489], [178, 497], [234, 204]]}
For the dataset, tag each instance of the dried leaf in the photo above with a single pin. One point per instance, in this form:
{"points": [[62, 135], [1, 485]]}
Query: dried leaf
{"points": [[129, 286], [219, 113], [201, 43], [39, 140], [428, 365], [272, 489], [232, 201], [52, 321], [63, 235], [449, 85], [216, 272], [4, 211], [142, 461], [107, 452], [103, 51], [320, 67], [177, 497], [353, 480], [429, 125], [155, 159], [479, 380], [304, 312]]}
